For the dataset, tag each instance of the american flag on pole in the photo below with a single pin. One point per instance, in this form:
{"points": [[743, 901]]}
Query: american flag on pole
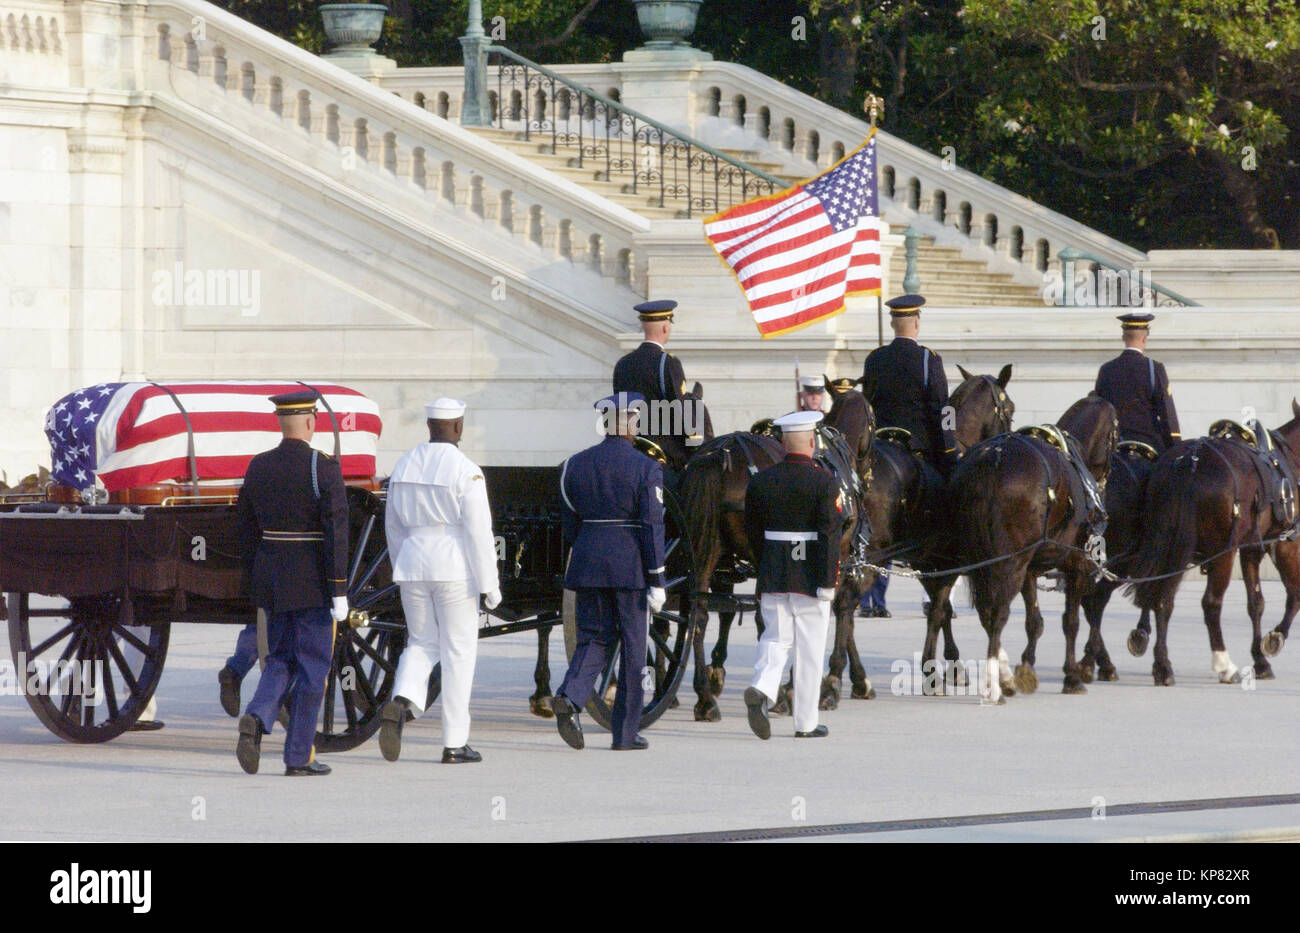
{"points": [[131, 434], [798, 254]]}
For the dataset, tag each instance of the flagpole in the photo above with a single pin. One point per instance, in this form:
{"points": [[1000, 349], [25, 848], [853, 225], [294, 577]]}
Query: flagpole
{"points": [[875, 106]]}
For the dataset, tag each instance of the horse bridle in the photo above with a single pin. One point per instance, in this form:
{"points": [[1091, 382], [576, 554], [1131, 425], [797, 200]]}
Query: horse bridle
{"points": [[1001, 405]]}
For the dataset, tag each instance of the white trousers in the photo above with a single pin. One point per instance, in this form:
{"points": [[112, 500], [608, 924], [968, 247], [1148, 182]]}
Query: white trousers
{"points": [[442, 628], [793, 620]]}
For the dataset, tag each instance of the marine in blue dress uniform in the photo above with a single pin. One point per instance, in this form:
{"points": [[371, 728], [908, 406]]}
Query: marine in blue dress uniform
{"points": [[614, 520], [907, 388], [655, 374], [1138, 387], [294, 534]]}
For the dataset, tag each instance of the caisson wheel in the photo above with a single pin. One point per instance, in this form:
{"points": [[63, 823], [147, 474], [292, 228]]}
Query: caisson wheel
{"points": [[85, 674], [668, 644]]}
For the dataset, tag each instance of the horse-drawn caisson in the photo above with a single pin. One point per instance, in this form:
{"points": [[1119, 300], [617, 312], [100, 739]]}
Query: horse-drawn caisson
{"points": [[95, 575]]}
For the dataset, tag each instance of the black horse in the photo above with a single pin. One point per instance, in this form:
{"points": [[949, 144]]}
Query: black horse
{"points": [[1205, 501], [1016, 506]]}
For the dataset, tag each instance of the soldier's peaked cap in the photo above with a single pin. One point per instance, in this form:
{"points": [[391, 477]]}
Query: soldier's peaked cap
{"points": [[812, 383], [798, 421], [655, 310], [1136, 320], [619, 402], [295, 403], [905, 305]]}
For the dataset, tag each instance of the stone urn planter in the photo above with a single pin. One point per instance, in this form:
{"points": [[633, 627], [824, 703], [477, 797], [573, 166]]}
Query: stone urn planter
{"points": [[667, 23], [353, 27]]}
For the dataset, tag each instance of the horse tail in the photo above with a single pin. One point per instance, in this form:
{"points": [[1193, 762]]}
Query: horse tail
{"points": [[701, 493], [1169, 533], [981, 529]]}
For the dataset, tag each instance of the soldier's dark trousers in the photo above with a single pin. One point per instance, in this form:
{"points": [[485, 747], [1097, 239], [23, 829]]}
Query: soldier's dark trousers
{"points": [[245, 656], [607, 618], [300, 645]]}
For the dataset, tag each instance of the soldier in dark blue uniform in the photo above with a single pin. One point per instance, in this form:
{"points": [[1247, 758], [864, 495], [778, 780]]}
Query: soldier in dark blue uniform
{"points": [[237, 667], [793, 519], [614, 519], [654, 373], [1138, 387], [907, 388], [294, 534]]}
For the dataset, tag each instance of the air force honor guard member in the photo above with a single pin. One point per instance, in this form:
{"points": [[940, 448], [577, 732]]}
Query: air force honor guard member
{"points": [[439, 527], [293, 526], [907, 388], [614, 518], [793, 517], [655, 374], [1138, 387]]}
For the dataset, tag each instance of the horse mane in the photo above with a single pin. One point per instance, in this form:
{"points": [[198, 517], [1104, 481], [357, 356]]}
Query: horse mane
{"points": [[1093, 423]]}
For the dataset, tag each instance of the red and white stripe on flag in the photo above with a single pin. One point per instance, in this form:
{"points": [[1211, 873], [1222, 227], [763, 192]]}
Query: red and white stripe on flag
{"points": [[142, 437], [800, 253]]}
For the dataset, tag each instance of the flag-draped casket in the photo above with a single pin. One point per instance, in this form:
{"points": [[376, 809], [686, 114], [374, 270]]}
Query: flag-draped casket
{"points": [[134, 434]]}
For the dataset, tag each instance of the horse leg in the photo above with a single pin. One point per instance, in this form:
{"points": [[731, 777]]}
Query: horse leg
{"points": [[538, 703], [706, 708], [1025, 677], [1216, 584], [1074, 585], [1286, 556], [933, 681], [1094, 605], [994, 618], [1250, 558], [951, 654], [846, 599], [717, 669], [862, 688]]}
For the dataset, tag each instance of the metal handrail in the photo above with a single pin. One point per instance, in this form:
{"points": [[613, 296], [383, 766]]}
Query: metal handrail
{"points": [[1071, 255], [752, 181]]}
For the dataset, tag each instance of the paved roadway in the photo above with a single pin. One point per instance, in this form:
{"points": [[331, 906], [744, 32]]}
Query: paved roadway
{"points": [[890, 759]]}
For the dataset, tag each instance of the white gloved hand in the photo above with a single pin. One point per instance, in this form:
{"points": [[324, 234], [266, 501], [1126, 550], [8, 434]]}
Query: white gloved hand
{"points": [[492, 599], [656, 598], [339, 611], [826, 593]]}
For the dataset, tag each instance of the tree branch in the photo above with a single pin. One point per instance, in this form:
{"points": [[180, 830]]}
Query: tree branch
{"points": [[571, 28]]}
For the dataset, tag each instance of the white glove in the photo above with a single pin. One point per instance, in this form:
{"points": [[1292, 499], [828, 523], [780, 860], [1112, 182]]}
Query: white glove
{"points": [[339, 611], [492, 599], [826, 593], [656, 598]]}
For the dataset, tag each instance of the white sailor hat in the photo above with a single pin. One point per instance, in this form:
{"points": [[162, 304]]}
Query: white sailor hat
{"points": [[444, 409], [798, 421], [812, 383]]}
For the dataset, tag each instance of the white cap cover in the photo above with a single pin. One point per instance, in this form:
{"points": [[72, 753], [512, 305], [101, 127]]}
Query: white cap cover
{"points": [[812, 382], [444, 409], [798, 421]]}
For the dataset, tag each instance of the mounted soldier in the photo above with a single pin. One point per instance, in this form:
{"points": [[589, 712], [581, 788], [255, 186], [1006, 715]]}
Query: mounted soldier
{"points": [[658, 376], [1138, 387], [905, 384]]}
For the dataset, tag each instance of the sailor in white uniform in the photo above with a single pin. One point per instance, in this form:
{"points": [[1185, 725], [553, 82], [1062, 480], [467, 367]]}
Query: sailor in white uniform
{"points": [[440, 542]]}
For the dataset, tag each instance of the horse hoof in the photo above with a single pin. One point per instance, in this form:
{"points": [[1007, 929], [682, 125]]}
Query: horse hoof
{"points": [[1137, 642], [674, 703], [1026, 679], [1073, 685], [828, 702], [1263, 671], [782, 705], [1108, 674], [707, 711], [1008, 687], [1085, 673], [1273, 643], [717, 677], [959, 674], [541, 706], [863, 692], [1163, 678], [933, 689]]}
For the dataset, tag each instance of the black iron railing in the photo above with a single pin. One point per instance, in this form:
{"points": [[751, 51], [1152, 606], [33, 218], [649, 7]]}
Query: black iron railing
{"points": [[623, 146]]}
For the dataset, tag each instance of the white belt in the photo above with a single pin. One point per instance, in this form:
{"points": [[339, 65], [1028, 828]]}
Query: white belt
{"points": [[790, 535]]}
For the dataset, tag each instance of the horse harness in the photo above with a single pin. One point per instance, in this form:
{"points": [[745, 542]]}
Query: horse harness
{"points": [[1279, 486]]}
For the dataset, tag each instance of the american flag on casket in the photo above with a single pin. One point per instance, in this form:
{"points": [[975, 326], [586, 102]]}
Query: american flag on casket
{"points": [[131, 434]]}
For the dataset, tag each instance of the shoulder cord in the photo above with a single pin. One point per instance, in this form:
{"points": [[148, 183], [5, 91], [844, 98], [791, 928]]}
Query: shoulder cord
{"points": [[315, 482]]}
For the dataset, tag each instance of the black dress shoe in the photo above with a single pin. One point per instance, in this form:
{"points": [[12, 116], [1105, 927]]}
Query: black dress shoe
{"points": [[229, 683], [566, 721], [146, 725], [883, 613], [817, 733], [249, 747], [310, 769], [391, 721], [460, 756], [756, 708], [637, 744]]}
